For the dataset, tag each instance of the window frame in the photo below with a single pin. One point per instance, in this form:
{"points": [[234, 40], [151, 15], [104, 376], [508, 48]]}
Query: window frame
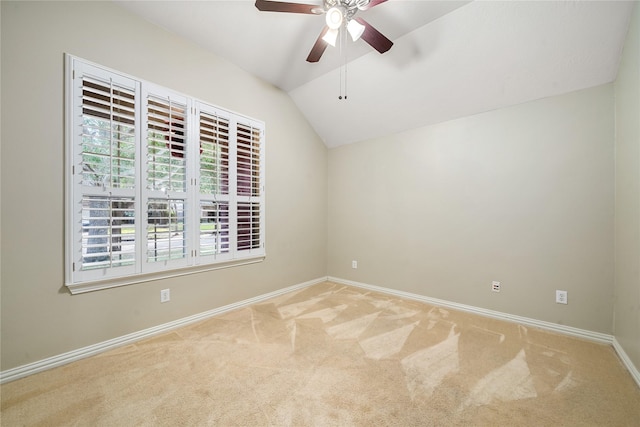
{"points": [[194, 221]]}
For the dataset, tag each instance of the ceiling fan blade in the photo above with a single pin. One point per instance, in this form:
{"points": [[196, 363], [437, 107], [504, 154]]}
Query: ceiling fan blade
{"points": [[374, 37], [281, 6], [371, 4], [319, 47]]}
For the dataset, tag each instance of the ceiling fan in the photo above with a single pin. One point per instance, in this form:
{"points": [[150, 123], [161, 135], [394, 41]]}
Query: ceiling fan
{"points": [[339, 13]]}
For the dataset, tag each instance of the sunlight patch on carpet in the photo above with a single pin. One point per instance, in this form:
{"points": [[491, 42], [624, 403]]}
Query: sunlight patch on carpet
{"points": [[426, 369], [353, 328], [511, 381], [295, 309], [326, 314], [387, 344]]}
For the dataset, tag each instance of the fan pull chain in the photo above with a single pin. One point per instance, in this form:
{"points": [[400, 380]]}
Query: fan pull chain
{"points": [[343, 66], [345, 63], [340, 41], [345, 76]]}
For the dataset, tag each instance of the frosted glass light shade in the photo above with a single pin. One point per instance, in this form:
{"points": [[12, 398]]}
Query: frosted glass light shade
{"points": [[331, 36], [355, 29]]}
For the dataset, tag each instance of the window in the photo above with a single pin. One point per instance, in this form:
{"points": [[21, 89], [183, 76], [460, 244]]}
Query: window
{"points": [[158, 183]]}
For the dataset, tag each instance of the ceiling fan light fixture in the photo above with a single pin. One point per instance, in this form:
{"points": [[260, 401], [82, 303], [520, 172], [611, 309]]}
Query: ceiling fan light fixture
{"points": [[334, 18], [355, 29], [331, 36], [338, 14]]}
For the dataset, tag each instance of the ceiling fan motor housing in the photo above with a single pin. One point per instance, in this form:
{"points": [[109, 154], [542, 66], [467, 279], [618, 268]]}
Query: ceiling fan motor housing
{"points": [[335, 17]]}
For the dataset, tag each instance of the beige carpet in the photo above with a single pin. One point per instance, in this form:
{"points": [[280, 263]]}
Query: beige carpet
{"points": [[331, 355]]}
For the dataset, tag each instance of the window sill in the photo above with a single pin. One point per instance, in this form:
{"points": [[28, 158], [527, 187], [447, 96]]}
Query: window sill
{"points": [[84, 287]]}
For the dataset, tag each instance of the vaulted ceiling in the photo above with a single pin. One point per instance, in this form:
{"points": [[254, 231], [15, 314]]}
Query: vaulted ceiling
{"points": [[450, 58]]}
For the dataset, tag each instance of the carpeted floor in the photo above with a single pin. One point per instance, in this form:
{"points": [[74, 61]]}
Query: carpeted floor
{"points": [[331, 355]]}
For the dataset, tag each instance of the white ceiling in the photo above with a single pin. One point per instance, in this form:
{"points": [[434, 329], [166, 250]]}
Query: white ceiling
{"points": [[450, 58]]}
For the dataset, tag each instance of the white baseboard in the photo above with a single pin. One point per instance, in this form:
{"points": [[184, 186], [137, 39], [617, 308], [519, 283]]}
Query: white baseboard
{"points": [[566, 330], [626, 361], [81, 353]]}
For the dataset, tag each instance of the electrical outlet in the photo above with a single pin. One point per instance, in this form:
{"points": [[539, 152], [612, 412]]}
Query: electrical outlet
{"points": [[165, 295], [561, 297], [354, 264], [495, 286]]}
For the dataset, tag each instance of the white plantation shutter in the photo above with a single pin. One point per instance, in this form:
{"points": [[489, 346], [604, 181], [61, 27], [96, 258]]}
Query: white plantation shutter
{"points": [[156, 181], [104, 163], [214, 174], [165, 193], [108, 232], [249, 187], [214, 233], [166, 143], [166, 237], [108, 133], [249, 227]]}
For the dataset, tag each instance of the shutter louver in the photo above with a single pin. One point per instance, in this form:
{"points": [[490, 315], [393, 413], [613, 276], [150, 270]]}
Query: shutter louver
{"points": [[108, 232], [248, 177], [167, 144], [165, 230], [248, 226], [214, 154], [248, 160], [214, 228], [108, 134]]}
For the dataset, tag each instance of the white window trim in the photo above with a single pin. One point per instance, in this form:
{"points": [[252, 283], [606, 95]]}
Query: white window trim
{"points": [[143, 271]]}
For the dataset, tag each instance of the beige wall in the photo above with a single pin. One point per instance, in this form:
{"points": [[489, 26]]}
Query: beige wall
{"points": [[627, 270], [39, 317], [522, 195]]}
